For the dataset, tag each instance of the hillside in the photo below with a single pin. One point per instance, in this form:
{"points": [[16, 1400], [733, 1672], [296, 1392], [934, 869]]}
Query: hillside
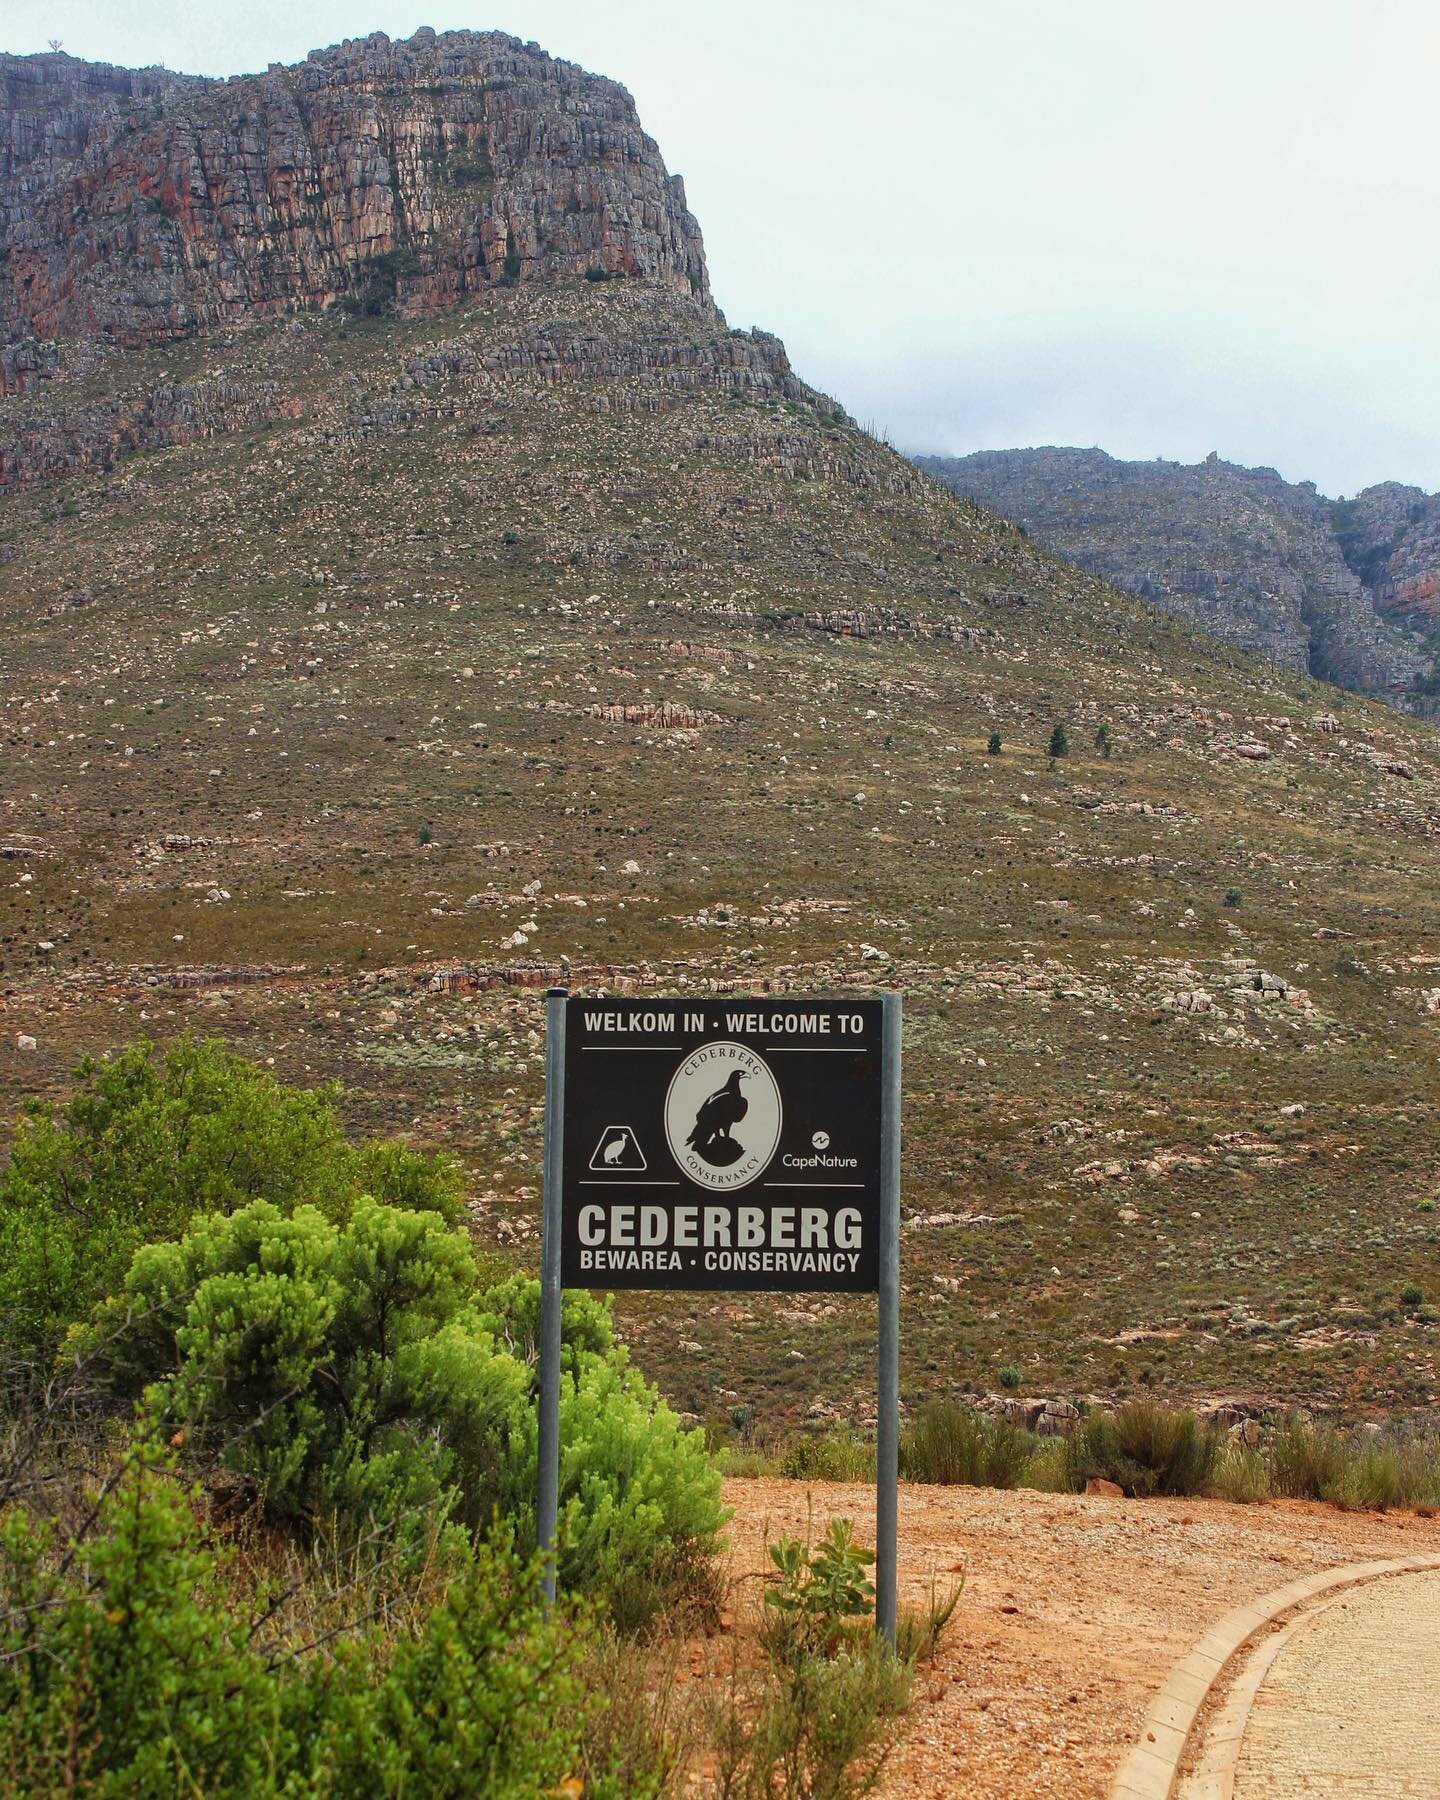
{"points": [[1344, 590], [369, 664]]}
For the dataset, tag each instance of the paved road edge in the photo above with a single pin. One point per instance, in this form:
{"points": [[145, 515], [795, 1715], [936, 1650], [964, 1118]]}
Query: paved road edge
{"points": [[1150, 1769]]}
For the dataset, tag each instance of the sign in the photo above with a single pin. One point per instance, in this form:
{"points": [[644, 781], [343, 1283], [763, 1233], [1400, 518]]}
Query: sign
{"points": [[722, 1144]]}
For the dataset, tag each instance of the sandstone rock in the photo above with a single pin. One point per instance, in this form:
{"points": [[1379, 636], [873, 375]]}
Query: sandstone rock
{"points": [[402, 174], [1110, 1489], [1192, 1000]]}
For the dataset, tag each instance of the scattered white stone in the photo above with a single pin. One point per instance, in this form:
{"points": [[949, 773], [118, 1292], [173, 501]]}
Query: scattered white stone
{"points": [[24, 1041]]}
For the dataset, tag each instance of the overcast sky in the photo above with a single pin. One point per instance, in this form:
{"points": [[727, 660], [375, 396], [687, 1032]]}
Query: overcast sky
{"points": [[980, 223]]}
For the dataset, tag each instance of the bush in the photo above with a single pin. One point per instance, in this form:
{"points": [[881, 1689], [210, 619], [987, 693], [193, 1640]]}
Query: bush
{"points": [[1104, 739], [1306, 1461], [490, 1699], [1059, 743], [355, 1370], [130, 1665], [993, 747], [818, 1596], [824, 1727], [1011, 1375], [951, 1445], [1146, 1449], [1412, 1294], [335, 1366], [826, 1715], [828, 1456], [1242, 1474], [121, 1668], [149, 1140], [1232, 896]]}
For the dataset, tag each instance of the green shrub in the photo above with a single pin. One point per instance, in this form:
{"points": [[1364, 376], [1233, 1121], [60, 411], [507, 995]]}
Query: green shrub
{"points": [[1146, 1449], [131, 1663], [1307, 1462], [994, 746], [1242, 1474], [818, 1596], [828, 1456], [1412, 1294], [951, 1445], [824, 1728], [333, 1365], [1059, 744], [149, 1140], [353, 1369], [122, 1670], [1104, 739], [826, 1714], [490, 1699], [1233, 896], [1011, 1375]]}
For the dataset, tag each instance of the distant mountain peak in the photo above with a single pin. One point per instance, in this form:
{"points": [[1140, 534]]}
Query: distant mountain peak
{"points": [[1345, 590]]}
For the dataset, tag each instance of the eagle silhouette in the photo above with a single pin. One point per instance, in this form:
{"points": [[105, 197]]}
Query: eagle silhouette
{"points": [[726, 1107]]}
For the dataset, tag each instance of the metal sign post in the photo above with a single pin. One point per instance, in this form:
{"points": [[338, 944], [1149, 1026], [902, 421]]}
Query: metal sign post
{"points": [[746, 1143], [887, 1416], [547, 1504]]}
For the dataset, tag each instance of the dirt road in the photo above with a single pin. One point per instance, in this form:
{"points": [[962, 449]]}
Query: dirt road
{"points": [[1074, 1609]]}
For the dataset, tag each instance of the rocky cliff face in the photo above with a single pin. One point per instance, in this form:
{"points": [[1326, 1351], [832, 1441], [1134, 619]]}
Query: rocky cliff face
{"points": [[1342, 590], [140, 206]]}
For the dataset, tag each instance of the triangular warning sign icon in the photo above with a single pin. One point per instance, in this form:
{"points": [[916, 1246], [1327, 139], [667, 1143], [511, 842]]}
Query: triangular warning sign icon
{"points": [[618, 1151]]}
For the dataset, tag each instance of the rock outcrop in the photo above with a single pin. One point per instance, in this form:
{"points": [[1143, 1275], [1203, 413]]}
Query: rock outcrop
{"points": [[141, 206], [1332, 588]]}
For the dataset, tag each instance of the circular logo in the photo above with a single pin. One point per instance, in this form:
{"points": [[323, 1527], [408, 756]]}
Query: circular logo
{"points": [[722, 1115], [821, 1140]]}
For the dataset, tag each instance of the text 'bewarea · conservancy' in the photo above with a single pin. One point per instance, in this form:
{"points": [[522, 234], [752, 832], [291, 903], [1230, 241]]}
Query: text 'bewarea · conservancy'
{"points": [[718, 1144]]}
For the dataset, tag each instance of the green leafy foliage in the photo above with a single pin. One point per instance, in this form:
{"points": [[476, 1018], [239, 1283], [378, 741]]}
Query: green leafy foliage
{"points": [[354, 1369], [121, 1669], [826, 1715], [128, 1665], [333, 1364], [149, 1140], [818, 1595], [640, 1508]]}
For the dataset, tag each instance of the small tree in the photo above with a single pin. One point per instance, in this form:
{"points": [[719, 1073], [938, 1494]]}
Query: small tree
{"points": [[1104, 739], [1059, 742], [1232, 896], [994, 745]]}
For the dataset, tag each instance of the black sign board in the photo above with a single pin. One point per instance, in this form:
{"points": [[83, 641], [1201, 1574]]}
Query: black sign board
{"points": [[729, 1143]]}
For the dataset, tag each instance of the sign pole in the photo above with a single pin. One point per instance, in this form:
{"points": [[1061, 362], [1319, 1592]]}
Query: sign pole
{"points": [[887, 1432], [547, 1501]]}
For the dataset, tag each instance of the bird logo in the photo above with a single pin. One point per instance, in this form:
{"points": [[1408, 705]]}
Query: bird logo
{"points": [[726, 1107], [618, 1152], [723, 1115]]}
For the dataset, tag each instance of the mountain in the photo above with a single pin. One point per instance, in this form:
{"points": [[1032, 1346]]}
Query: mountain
{"points": [[141, 206], [372, 655], [1344, 590]]}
